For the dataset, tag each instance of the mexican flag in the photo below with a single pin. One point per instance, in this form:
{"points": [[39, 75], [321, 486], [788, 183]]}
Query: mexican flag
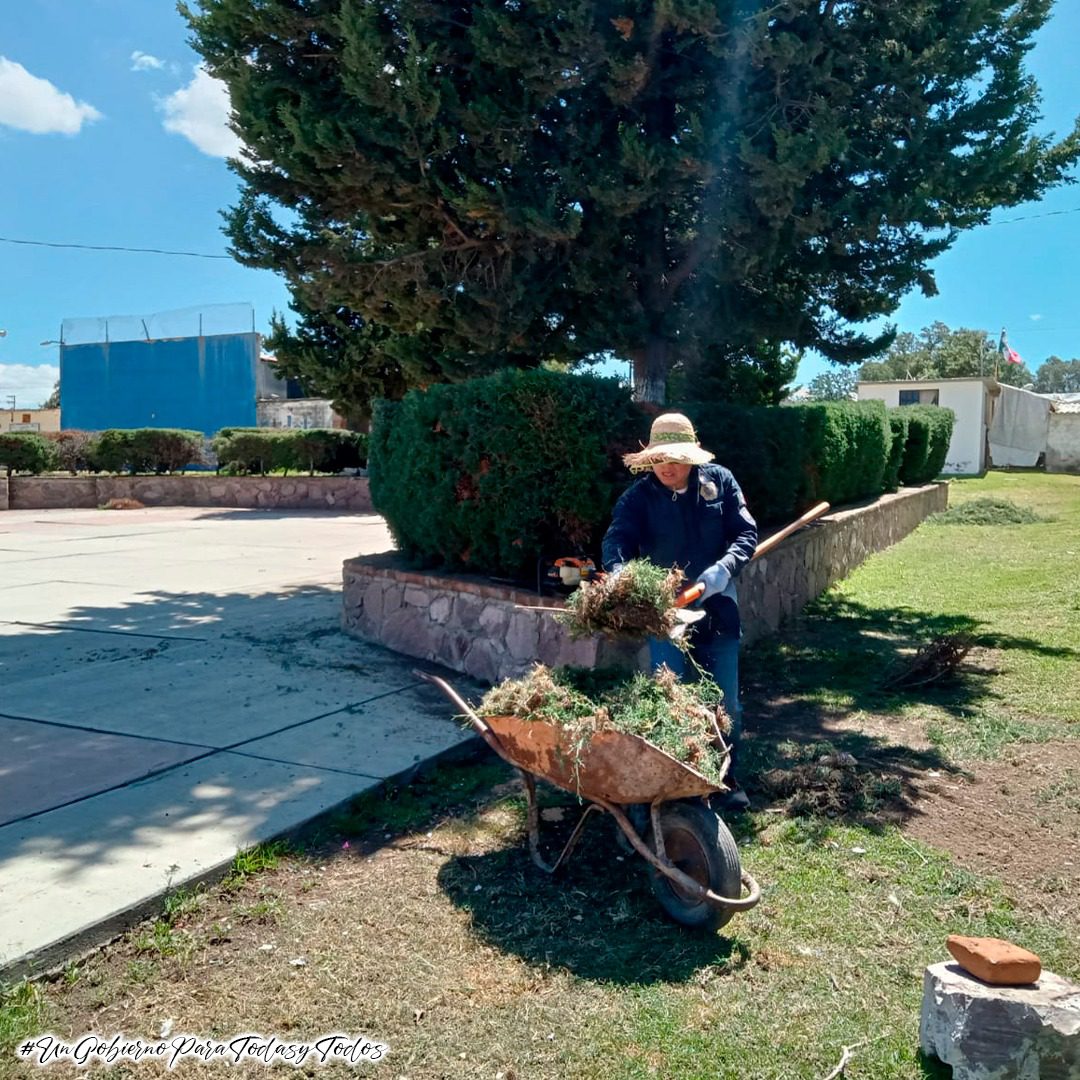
{"points": [[1010, 355]]}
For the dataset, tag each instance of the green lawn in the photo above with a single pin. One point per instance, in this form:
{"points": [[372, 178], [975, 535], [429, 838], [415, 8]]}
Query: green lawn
{"points": [[1014, 589]]}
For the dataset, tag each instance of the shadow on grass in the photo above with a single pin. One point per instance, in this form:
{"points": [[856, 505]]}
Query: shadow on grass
{"points": [[596, 917], [838, 661]]}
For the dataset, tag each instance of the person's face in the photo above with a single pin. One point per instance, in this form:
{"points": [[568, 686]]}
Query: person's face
{"points": [[672, 475]]}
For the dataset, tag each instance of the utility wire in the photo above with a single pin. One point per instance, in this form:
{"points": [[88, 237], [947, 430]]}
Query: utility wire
{"points": [[109, 247], [207, 255], [1031, 217]]}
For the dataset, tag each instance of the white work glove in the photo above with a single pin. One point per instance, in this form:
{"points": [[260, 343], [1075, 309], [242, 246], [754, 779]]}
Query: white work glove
{"points": [[716, 579], [615, 571]]}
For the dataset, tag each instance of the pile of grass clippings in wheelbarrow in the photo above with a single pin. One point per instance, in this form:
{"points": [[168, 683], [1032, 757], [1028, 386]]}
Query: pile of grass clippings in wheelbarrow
{"points": [[636, 603], [679, 718]]}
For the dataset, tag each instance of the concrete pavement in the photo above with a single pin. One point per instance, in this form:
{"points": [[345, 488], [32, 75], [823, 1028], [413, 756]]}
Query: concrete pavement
{"points": [[174, 687]]}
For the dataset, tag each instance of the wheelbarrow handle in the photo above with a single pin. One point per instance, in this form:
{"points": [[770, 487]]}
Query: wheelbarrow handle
{"points": [[477, 721]]}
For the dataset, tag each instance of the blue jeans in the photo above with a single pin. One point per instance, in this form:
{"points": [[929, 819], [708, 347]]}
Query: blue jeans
{"points": [[719, 656]]}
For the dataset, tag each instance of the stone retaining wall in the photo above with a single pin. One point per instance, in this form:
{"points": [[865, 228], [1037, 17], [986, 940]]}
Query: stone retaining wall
{"points": [[191, 489], [486, 631]]}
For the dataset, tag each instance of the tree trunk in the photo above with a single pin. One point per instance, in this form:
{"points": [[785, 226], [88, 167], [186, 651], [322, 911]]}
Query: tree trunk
{"points": [[650, 370]]}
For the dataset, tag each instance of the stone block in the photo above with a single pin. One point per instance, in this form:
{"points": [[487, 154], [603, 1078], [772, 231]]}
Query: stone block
{"points": [[439, 611], [467, 611], [998, 962], [415, 597], [523, 636], [1001, 1032], [485, 661], [494, 619]]}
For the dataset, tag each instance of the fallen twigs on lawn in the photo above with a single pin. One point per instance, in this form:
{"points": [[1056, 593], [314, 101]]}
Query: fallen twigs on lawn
{"points": [[846, 1056], [936, 660]]}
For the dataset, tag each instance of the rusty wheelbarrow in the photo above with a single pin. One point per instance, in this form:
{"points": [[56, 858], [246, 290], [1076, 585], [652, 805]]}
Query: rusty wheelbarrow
{"points": [[692, 857]]}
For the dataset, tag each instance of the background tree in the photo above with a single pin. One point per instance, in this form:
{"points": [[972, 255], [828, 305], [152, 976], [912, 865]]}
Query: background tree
{"points": [[53, 400], [832, 386], [1057, 376], [938, 352], [502, 182]]}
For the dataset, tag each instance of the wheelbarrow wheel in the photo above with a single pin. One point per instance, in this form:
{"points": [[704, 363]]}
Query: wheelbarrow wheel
{"points": [[698, 842]]}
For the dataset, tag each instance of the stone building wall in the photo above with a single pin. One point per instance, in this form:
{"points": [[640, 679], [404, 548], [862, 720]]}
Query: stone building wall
{"points": [[192, 489], [491, 632]]}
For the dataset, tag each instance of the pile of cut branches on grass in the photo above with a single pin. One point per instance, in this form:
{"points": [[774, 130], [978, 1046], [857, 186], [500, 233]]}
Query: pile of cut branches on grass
{"points": [[636, 603], [685, 720], [936, 661]]}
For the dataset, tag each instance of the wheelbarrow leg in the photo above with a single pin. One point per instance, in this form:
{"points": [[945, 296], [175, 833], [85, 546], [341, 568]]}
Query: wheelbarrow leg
{"points": [[534, 827]]}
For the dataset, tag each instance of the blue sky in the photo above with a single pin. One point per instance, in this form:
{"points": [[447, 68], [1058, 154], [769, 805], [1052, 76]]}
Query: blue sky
{"points": [[109, 135]]}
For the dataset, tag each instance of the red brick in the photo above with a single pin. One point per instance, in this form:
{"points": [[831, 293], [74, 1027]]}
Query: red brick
{"points": [[998, 962]]}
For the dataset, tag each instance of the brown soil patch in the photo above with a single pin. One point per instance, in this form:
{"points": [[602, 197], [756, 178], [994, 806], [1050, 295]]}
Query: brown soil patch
{"points": [[1018, 820]]}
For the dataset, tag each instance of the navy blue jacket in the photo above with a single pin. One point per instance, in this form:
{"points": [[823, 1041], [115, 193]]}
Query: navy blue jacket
{"points": [[707, 524]]}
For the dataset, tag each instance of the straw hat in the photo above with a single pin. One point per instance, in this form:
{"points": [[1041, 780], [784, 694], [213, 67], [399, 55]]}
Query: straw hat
{"points": [[671, 438]]}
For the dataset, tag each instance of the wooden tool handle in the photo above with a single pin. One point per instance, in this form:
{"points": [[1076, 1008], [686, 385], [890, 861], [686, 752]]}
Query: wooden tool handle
{"points": [[688, 596], [779, 537]]}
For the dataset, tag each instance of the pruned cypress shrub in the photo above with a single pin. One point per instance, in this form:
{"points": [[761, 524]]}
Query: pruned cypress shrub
{"points": [[166, 449], [115, 453], [26, 451], [252, 451], [929, 433], [491, 474], [328, 450], [898, 425], [846, 447]]}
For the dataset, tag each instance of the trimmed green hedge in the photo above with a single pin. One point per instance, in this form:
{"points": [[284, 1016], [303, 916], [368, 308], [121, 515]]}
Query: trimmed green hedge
{"points": [[929, 432], [898, 425], [311, 450], [491, 473], [142, 450], [26, 451]]}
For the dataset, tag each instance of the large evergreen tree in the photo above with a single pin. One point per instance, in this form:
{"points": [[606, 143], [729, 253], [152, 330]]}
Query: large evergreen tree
{"points": [[505, 181]]}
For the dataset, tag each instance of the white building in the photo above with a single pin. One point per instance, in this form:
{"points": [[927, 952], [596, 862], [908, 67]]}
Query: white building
{"points": [[970, 399]]}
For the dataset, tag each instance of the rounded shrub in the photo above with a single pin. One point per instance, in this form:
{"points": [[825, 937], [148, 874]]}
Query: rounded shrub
{"points": [[75, 450], [26, 452], [491, 474]]}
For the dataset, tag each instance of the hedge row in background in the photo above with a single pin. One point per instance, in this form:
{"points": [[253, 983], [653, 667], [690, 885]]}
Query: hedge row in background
{"points": [[488, 474], [166, 450], [26, 452], [311, 450], [491, 474]]}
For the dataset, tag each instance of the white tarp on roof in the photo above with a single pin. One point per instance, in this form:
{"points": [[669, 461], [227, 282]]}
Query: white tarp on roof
{"points": [[1018, 430]]}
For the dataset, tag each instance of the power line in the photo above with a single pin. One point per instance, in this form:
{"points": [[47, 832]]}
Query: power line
{"points": [[207, 255], [1031, 217], [110, 247]]}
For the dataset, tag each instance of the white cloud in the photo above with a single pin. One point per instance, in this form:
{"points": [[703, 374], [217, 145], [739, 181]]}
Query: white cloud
{"points": [[28, 103], [141, 61], [200, 112], [30, 386], [1034, 318]]}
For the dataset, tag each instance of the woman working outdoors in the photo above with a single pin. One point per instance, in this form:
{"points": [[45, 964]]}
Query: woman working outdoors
{"points": [[691, 514]]}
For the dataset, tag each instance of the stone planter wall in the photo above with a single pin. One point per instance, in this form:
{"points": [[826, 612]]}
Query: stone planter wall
{"points": [[193, 489], [486, 631]]}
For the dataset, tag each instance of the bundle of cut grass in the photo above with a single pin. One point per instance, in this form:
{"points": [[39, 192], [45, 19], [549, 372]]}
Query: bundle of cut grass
{"points": [[989, 510], [682, 719], [636, 603]]}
